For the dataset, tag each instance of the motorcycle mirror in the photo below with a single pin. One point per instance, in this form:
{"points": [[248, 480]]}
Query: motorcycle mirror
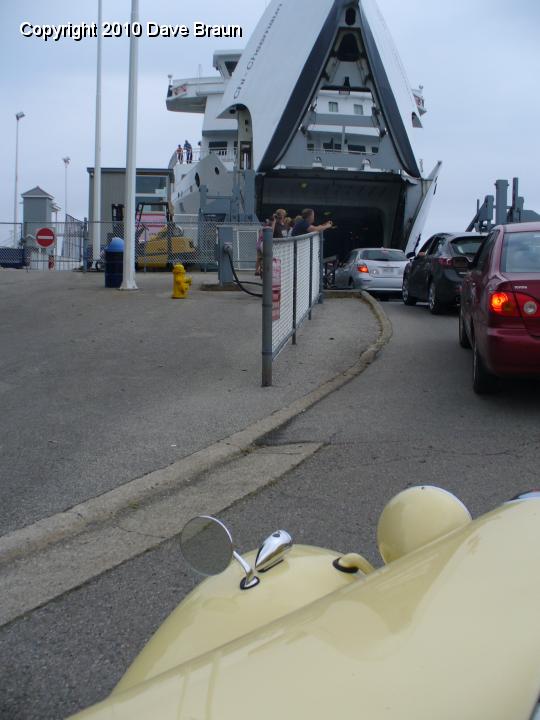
{"points": [[206, 545]]}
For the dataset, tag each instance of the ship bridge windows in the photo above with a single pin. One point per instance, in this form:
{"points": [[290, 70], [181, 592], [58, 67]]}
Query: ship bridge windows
{"points": [[218, 147], [333, 106], [332, 145], [356, 148]]}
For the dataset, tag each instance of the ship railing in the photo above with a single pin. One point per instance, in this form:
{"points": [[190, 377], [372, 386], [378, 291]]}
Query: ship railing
{"points": [[198, 154]]}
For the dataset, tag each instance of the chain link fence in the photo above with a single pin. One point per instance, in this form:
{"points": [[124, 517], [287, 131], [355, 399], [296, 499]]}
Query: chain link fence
{"points": [[292, 285], [159, 244], [188, 239], [38, 245]]}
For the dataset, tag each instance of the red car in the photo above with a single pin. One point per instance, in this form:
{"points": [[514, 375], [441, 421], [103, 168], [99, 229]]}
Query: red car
{"points": [[500, 305]]}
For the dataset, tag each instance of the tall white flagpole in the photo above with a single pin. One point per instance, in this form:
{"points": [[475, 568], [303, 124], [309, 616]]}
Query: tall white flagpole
{"points": [[128, 282]]}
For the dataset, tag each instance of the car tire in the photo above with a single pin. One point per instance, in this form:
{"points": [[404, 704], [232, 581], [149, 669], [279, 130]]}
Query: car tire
{"points": [[434, 304], [463, 337], [483, 381], [407, 298]]}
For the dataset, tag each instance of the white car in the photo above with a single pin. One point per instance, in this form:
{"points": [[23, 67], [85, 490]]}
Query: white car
{"points": [[372, 269]]}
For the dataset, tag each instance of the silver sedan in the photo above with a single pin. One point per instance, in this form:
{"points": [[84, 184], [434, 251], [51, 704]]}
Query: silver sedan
{"points": [[372, 269]]}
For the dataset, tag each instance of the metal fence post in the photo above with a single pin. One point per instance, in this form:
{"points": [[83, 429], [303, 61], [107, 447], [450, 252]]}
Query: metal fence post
{"points": [[84, 245], [310, 275], [268, 253], [295, 290], [321, 268]]}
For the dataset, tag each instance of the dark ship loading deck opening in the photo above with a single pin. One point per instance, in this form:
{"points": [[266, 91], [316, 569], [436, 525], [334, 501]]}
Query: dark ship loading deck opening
{"points": [[367, 208]]}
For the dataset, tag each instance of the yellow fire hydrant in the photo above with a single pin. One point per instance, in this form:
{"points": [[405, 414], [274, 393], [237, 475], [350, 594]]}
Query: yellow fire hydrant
{"points": [[181, 282]]}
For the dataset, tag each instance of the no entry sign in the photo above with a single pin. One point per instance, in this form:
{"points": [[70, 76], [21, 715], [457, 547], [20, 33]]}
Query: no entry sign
{"points": [[45, 237]]}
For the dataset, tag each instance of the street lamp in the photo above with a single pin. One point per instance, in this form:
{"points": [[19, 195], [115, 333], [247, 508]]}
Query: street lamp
{"points": [[18, 116], [128, 282], [66, 163], [96, 206]]}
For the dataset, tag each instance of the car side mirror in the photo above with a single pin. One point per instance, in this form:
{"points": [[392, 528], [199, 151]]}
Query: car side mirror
{"points": [[409, 256], [461, 263], [208, 548]]}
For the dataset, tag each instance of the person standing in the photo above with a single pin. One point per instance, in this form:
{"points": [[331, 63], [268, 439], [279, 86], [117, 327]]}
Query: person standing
{"points": [[279, 225], [180, 154], [189, 152], [305, 225], [260, 239]]}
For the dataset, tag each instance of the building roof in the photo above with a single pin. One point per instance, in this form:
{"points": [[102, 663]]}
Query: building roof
{"points": [[37, 192], [139, 171]]}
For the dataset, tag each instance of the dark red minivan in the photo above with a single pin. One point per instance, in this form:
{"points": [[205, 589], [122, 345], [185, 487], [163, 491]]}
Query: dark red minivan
{"points": [[500, 305]]}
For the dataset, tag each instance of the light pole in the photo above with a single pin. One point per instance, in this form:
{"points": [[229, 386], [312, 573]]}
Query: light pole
{"points": [[18, 116], [66, 163], [128, 282], [96, 207]]}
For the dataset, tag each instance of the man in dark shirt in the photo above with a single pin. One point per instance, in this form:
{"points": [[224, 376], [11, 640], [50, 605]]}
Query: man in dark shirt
{"points": [[305, 225]]}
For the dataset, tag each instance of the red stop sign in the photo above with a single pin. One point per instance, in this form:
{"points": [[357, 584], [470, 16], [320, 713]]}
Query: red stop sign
{"points": [[45, 237]]}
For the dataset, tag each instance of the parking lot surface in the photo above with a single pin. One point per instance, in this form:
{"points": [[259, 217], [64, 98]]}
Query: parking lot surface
{"points": [[411, 418], [98, 387]]}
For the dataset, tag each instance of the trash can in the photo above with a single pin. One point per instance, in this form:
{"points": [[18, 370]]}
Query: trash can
{"points": [[114, 263]]}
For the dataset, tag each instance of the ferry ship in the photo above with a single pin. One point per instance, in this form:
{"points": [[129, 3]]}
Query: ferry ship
{"points": [[315, 112]]}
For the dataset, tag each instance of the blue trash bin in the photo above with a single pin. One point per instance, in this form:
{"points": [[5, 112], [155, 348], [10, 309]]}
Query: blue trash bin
{"points": [[114, 263]]}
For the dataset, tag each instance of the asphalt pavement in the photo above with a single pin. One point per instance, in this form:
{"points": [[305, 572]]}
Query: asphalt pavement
{"points": [[410, 418], [99, 387]]}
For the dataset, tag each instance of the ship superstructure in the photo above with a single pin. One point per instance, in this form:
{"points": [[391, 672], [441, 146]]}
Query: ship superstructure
{"points": [[321, 117]]}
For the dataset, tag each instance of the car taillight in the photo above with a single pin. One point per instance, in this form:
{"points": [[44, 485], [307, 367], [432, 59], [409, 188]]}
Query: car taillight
{"points": [[509, 304], [363, 268], [530, 308], [445, 262], [503, 303]]}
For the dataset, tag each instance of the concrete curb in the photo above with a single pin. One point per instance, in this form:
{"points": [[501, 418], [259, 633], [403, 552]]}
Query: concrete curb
{"points": [[72, 522]]}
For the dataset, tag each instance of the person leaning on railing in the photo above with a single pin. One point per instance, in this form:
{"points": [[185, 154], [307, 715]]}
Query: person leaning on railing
{"points": [[259, 262], [305, 225]]}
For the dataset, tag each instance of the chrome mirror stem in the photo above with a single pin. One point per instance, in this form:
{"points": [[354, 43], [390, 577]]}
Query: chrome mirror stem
{"points": [[251, 580]]}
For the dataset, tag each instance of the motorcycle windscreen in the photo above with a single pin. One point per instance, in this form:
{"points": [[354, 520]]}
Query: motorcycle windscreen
{"points": [[414, 241], [279, 71]]}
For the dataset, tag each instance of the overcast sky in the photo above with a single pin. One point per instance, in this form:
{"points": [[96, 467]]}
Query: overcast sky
{"points": [[478, 62]]}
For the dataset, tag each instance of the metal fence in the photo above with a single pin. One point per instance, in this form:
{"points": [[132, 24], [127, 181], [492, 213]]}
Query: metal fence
{"points": [[20, 245], [188, 239], [292, 285], [159, 244]]}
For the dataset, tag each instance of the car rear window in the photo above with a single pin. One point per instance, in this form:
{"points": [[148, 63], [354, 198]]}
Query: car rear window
{"points": [[384, 255], [521, 252], [467, 245]]}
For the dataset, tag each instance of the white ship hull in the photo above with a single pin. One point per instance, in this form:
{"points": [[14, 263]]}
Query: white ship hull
{"points": [[324, 117]]}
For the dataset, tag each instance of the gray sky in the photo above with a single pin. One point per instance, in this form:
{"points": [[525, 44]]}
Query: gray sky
{"points": [[478, 61]]}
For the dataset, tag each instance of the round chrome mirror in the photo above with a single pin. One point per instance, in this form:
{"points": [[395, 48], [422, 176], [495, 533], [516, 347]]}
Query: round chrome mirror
{"points": [[206, 545]]}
